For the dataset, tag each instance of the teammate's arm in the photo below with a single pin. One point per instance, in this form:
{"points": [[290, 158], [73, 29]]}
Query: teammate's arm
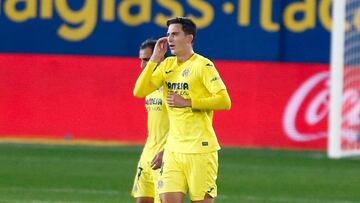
{"points": [[157, 160]]}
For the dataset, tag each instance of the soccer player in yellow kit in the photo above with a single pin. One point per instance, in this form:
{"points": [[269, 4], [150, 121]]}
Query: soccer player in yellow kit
{"points": [[144, 189], [193, 89]]}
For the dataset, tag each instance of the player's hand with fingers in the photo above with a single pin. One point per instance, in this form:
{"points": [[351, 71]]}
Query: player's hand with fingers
{"points": [[175, 100], [159, 50], [157, 160]]}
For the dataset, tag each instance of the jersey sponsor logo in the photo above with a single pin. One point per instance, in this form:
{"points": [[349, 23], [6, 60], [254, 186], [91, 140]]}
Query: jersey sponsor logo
{"points": [[167, 72], [153, 104], [153, 108], [177, 85], [209, 65], [154, 101], [205, 144]]}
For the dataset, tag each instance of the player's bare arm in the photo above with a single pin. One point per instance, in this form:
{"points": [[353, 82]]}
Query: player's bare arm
{"points": [[157, 160]]}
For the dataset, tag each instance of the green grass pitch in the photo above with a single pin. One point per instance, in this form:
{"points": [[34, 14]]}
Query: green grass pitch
{"points": [[31, 173]]}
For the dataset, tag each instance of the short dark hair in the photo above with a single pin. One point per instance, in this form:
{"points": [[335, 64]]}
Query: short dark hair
{"points": [[149, 43], [188, 26]]}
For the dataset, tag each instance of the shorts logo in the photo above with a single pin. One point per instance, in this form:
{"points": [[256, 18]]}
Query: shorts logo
{"points": [[135, 189], [139, 172], [160, 184], [162, 168], [185, 73]]}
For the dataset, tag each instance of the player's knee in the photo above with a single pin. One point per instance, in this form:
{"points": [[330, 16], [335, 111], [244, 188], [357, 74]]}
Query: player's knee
{"points": [[172, 197], [207, 199], [145, 200]]}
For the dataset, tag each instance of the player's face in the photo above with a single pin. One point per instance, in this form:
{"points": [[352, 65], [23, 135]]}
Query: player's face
{"points": [[144, 56], [178, 41]]}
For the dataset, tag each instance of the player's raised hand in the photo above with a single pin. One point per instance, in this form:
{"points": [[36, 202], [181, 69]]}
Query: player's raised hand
{"points": [[175, 100], [159, 50]]}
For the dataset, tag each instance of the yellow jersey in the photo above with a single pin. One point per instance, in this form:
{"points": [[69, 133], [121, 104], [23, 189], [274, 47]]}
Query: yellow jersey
{"points": [[157, 125], [191, 129]]}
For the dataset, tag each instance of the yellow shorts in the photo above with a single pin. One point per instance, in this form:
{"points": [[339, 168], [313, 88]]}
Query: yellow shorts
{"points": [[193, 173], [145, 182]]}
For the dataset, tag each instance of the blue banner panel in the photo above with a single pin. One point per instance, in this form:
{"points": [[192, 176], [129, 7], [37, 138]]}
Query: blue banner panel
{"points": [[255, 30]]}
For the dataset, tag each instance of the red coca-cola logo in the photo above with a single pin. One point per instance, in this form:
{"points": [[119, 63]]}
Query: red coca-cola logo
{"points": [[306, 114], [307, 110]]}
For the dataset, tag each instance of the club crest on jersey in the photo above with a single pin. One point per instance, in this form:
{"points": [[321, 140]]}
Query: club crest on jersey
{"points": [[160, 184], [185, 73]]}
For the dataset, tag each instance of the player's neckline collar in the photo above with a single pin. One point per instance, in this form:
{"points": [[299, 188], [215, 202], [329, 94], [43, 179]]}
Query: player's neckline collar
{"points": [[193, 55]]}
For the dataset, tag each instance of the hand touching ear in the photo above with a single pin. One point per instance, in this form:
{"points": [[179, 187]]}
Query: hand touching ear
{"points": [[159, 50]]}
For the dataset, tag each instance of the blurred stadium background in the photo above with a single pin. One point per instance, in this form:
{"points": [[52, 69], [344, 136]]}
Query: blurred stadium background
{"points": [[71, 131]]}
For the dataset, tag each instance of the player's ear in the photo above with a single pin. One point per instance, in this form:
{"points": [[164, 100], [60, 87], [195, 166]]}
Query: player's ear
{"points": [[189, 38]]}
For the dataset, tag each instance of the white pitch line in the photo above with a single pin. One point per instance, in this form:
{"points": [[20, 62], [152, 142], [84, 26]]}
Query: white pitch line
{"points": [[61, 160], [34, 201], [281, 199], [63, 190], [252, 199]]}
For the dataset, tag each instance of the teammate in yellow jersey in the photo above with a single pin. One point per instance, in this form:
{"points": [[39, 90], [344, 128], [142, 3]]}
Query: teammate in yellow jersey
{"points": [[144, 189], [193, 89]]}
